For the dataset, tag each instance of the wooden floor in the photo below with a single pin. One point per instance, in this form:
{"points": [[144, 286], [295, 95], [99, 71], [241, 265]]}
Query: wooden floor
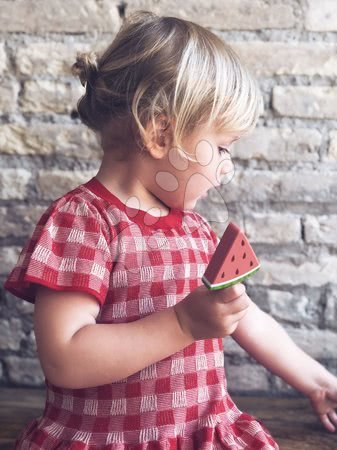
{"points": [[291, 422]]}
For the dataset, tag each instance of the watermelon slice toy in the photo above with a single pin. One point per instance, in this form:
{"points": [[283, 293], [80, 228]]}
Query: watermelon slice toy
{"points": [[232, 262]]}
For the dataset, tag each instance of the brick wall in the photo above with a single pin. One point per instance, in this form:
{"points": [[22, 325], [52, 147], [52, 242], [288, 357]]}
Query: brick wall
{"points": [[284, 193]]}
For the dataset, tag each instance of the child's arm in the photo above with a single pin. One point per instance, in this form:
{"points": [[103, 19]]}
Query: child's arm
{"points": [[267, 341], [76, 352]]}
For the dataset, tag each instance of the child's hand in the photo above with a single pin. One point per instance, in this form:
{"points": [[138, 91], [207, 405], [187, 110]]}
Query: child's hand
{"points": [[205, 314], [324, 402]]}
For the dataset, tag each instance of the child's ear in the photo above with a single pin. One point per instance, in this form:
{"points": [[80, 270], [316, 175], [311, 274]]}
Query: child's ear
{"points": [[159, 139]]}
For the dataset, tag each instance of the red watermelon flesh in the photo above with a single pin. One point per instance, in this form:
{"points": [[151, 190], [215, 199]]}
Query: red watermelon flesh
{"points": [[233, 260]]}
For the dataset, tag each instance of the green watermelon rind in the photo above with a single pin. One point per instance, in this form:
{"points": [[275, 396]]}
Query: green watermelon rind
{"points": [[225, 284]]}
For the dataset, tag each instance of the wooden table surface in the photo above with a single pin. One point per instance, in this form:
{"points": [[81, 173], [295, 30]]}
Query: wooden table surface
{"points": [[291, 421]]}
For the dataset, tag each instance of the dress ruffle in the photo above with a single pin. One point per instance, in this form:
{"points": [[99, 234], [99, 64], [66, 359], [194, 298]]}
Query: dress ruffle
{"points": [[245, 433]]}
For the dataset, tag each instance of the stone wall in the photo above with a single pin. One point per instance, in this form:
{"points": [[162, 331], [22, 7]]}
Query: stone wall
{"points": [[284, 193]]}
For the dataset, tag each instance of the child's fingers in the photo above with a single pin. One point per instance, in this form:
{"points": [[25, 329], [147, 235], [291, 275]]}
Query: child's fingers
{"points": [[237, 306], [237, 315], [332, 396], [326, 422], [331, 400], [333, 417], [231, 293]]}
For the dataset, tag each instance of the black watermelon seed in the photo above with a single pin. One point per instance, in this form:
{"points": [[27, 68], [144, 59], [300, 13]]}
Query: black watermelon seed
{"points": [[233, 258], [237, 272], [244, 256], [242, 242], [223, 275], [251, 263]]}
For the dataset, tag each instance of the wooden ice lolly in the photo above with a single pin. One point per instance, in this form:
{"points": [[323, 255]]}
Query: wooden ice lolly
{"points": [[233, 261]]}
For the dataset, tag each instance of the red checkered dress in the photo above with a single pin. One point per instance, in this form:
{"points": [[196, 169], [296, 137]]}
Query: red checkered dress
{"points": [[134, 264]]}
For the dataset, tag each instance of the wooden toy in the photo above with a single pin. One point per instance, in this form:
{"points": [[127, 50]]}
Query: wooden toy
{"points": [[233, 261]]}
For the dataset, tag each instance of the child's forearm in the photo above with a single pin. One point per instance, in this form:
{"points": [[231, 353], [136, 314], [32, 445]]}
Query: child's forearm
{"points": [[102, 353], [267, 341]]}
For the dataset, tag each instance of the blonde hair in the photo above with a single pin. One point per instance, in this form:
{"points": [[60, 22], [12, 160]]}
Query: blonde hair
{"points": [[167, 66]]}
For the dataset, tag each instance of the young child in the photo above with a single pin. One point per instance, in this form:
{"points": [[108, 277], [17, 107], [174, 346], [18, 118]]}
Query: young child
{"points": [[129, 338]]}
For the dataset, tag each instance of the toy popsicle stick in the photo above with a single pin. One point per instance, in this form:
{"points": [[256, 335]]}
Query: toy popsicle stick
{"points": [[233, 261]]}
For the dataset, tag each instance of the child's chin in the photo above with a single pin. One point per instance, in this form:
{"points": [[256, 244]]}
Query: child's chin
{"points": [[189, 204]]}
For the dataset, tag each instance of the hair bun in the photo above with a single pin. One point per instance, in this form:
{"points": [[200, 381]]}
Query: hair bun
{"points": [[85, 67]]}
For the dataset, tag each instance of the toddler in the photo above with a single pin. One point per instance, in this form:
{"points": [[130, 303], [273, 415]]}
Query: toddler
{"points": [[129, 339]]}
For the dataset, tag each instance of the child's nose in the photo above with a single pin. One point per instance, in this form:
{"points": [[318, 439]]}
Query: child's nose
{"points": [[227, 166], [226, 169]]}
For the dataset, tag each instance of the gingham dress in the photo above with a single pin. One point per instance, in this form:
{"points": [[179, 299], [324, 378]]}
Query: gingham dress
{"points": [[134, 264]]}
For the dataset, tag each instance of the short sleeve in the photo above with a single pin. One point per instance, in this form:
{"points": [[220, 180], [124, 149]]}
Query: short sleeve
{"points": [[69, 250]]}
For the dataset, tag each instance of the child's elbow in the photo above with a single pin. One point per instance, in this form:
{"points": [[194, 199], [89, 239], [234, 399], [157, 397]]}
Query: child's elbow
{"points": [[58, 376], [62, 378]]}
